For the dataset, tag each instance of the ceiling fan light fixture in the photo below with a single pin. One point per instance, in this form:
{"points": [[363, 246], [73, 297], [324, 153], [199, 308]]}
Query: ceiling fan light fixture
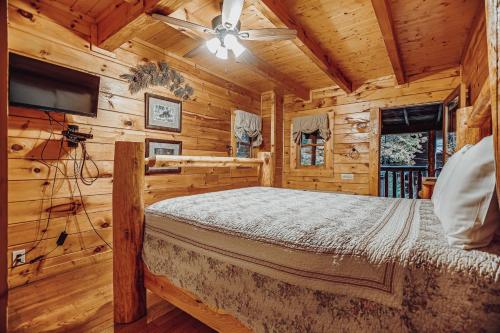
{"points": [[231, 42], [221, 53], [213, 45]]}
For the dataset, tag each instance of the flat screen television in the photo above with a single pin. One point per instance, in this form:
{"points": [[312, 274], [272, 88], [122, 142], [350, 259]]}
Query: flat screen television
{"points": [[39, 85]]}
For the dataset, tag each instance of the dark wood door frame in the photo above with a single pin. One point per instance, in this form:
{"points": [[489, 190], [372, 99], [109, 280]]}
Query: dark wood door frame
{"points": [[3, 165], [455, 93]]}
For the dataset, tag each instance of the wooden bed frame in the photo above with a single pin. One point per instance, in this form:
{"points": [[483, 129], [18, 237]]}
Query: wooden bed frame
{"points": [[131, 278]]}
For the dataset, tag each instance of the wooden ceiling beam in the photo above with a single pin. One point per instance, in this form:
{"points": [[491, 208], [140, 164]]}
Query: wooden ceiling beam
{"points": [[384, 16], [261, 67], [128, 18], [278, 14]]}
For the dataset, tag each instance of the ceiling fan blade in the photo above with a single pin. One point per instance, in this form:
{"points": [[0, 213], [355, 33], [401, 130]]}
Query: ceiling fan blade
{"points": [[183, 24], [268, 34], [231, 12]]}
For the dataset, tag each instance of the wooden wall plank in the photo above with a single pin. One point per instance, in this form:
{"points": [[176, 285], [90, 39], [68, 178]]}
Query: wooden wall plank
{"points": [[354, 125], [493, 41], [3, 165], [206, 131], [475, 57]]}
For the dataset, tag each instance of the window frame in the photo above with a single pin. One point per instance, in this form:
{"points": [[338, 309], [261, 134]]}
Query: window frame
{"points": [[233, 149], [249, 145], [314, 146], [295, 163]]}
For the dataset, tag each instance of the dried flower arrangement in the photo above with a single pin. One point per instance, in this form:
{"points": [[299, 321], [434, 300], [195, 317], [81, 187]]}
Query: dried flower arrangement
{"points": [[157, 74]]}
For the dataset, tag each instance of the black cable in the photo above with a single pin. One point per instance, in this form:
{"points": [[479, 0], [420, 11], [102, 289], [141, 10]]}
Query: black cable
{"points": [[86, 213], [79, 168], [45, 230], [78, 173]]}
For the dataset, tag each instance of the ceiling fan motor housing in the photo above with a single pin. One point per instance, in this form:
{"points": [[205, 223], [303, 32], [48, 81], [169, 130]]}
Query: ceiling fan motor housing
{"points": [[219, 27]]}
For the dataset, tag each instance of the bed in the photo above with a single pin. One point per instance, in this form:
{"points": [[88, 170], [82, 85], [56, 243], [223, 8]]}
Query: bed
{"points": [[278, 261], [264, 259]]}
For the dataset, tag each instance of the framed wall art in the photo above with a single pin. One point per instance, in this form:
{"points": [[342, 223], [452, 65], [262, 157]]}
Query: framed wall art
{"points": [[163, 113], [162, 147]]}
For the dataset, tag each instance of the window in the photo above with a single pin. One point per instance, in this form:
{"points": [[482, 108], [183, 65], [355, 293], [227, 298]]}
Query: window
{"points": [[244, 146], [311, 150]]}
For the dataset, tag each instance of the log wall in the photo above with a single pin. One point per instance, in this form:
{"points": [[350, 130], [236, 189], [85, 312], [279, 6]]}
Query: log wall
{"points": [[205, 131], [475, 56], [475, 84], [352, 127], [3, 166]]}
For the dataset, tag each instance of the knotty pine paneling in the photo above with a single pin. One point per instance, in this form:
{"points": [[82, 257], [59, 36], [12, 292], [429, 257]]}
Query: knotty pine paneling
{"points": [[3, 165], [205, 131], [475, 56], [348, 111]]}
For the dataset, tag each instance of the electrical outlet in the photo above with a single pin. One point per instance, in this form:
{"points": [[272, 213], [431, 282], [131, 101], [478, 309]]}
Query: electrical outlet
{"points": [[347, 176], [20, 255]]}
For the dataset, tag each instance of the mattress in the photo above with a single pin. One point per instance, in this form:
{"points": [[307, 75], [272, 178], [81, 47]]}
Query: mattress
{"points": [[341, 248], [303, 238]]}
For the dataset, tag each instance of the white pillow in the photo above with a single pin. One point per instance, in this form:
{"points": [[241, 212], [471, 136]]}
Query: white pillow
{"points": [[445, 175], [464, 205]]}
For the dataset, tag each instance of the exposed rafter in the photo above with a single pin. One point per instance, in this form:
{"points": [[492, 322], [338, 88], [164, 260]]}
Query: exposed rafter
{"points": [[128, 18], [278, 14], [384, 16]]}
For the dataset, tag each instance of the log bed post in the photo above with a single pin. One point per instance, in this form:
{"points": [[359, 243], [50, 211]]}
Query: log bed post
{"points": [[129, 293], [129, 283], [266, 177]]}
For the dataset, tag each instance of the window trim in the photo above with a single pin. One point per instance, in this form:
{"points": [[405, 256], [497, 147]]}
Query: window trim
{"points": [[234, 144], [329, 155], [250, 146]]}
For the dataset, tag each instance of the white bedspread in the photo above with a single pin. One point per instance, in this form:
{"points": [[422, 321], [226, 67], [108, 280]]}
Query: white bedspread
{"points": [[354, 245]]}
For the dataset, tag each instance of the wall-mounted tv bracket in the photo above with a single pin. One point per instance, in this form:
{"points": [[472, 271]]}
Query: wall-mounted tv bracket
{"points": [[74, 137]]}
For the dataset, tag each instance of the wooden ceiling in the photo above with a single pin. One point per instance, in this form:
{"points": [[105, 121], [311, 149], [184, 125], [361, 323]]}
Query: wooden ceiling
{"points": [[340, 42]]}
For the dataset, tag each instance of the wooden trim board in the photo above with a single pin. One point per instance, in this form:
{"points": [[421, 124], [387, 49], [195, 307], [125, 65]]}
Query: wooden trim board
{"points": [[182, 299], [375, 131], [493, 41], [3, 165]]}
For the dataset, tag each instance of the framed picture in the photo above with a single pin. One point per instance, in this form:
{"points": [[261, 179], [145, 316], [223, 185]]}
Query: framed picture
{"points": [[163, 113], [162, 147]]}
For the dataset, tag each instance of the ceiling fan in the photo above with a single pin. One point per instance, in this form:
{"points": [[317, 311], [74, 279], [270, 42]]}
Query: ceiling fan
{"points": [[225, 30]]}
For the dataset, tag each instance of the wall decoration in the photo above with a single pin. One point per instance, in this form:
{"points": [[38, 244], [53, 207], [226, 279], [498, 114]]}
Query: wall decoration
{"points": [[163, 113], [162, 147], [152, 74]]}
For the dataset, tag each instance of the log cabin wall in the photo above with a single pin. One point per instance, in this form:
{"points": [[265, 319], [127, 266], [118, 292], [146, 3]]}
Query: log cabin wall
{"points": [[474, 79], [351, 172], [475, 56], [205, 131]]}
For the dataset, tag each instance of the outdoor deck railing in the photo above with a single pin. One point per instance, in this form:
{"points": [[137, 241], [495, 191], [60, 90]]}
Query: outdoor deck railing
{"points": [[401, 181]]}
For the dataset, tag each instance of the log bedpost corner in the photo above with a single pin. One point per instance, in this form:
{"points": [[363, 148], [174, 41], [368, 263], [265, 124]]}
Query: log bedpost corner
{"points": [[266, 169], [129, 293]]}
